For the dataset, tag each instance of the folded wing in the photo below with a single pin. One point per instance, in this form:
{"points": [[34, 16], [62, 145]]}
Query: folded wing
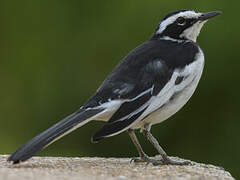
{"points": [[136, 97]]}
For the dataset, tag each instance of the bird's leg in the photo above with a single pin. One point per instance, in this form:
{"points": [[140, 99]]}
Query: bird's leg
{"points": [[165, 159], [143, 157]]}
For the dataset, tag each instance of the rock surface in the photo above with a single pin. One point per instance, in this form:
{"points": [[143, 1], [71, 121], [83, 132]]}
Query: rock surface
{"points": [[58, 168]]}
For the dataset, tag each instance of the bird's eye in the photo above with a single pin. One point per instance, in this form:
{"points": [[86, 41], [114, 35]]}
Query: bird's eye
{"points": [[181, 21]]}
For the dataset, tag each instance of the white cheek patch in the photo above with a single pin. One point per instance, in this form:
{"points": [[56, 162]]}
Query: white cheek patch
{"points": [[193, 31], [187, 14]]}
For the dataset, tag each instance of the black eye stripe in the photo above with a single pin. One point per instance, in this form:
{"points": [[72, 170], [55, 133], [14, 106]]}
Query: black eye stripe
{"points": [[174, 29]]}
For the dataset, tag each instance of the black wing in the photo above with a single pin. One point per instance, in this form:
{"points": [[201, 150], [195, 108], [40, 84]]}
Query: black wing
{"points": [[141, 75], [136, 97]]}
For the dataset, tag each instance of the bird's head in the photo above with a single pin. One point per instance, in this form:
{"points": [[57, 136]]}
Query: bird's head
{"points": [[183, 24]]}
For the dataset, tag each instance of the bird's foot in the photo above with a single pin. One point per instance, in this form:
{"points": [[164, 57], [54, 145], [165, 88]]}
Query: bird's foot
{"points": [[144, 159], [156, 162], [168, 161]]}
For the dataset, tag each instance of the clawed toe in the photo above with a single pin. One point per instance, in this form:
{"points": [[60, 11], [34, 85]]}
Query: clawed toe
{"points": [[157, 162], [147, 160], [165, 160], [168, 161], [136, 160], [140, 160]]}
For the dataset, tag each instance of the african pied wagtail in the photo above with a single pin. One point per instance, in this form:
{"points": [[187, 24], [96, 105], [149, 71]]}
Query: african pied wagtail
{"points": [[149, 85]]}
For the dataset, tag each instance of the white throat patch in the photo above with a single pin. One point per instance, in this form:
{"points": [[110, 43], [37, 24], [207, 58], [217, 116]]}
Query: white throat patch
{"points": [[193, 31]]}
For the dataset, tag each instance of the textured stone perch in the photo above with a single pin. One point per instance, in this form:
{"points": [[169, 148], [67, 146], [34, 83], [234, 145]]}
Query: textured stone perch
{"points": [[57, 168]]}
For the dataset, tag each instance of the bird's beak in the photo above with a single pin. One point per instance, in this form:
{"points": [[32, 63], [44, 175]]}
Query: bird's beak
{"points": [[208, 15]]}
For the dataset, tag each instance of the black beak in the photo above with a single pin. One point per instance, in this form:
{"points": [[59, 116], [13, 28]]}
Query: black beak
{"points": [[208, 15]]}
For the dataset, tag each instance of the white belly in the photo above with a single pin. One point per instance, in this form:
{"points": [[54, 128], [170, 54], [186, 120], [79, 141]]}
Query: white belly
{"points": [[173, 97]]}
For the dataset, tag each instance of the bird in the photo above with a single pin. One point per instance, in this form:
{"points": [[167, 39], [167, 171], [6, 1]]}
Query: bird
{"points": [[153, 82]]}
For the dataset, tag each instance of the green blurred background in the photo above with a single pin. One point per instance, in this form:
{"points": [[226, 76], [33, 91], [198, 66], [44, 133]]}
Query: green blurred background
{"points": [[54, 55]]}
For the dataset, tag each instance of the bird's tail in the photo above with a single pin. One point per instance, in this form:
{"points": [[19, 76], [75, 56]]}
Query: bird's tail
{"points": [[54, 133]]}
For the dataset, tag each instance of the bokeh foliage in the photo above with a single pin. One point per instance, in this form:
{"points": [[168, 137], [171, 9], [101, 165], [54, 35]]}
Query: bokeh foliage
{"points": [[54, 55]]}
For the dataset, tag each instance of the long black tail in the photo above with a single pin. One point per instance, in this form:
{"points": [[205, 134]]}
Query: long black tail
{"points": [[52, 134]]}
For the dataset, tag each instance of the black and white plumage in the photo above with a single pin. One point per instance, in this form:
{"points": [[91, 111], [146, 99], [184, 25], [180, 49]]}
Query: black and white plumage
{"points": [[150, 84]]}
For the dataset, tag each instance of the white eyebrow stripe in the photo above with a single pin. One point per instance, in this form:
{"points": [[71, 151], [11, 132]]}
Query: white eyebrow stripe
{"points": [[188, 14]]}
